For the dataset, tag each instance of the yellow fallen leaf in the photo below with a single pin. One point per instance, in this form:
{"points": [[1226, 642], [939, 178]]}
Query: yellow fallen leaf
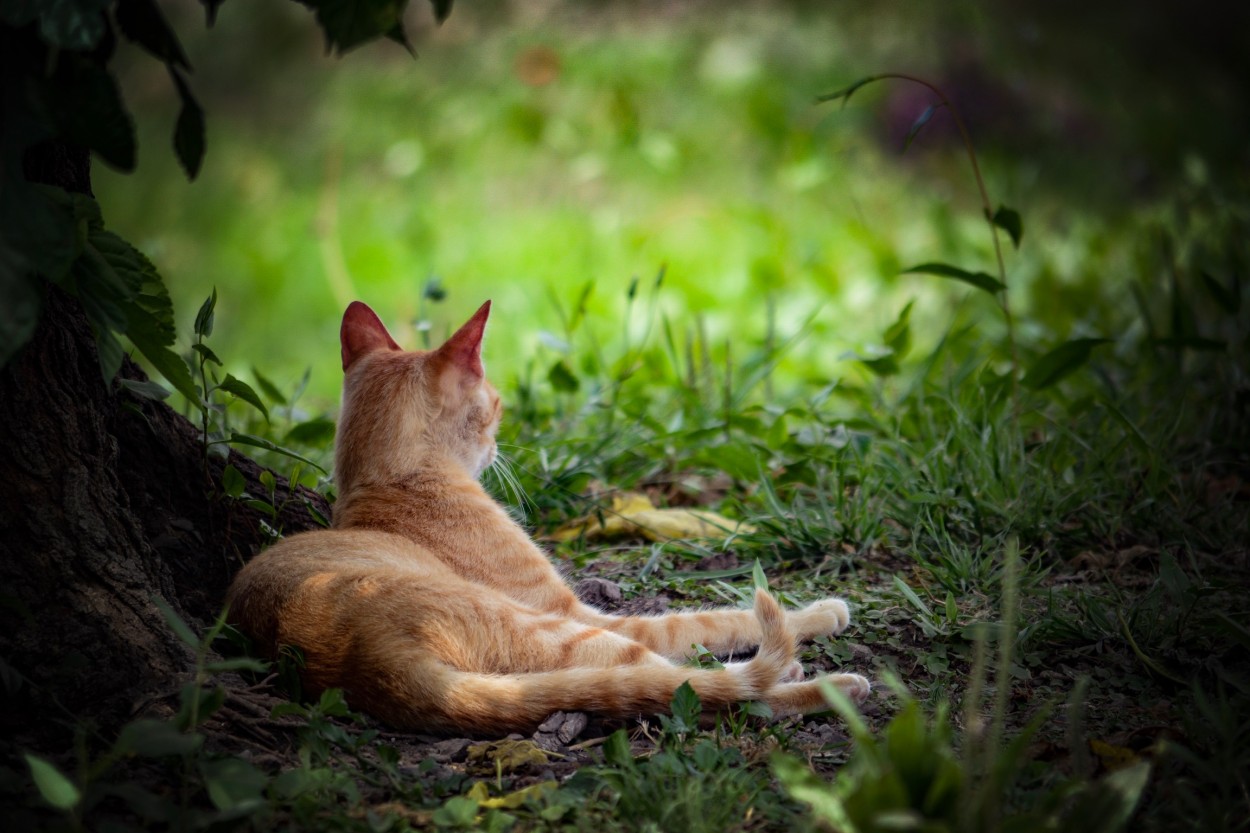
{"points": [[634, 514], [508, 755], [480, 793]]}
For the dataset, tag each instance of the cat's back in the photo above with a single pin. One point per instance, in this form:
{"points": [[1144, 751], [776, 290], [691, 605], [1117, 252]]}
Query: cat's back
{"points": [[316, 587]]}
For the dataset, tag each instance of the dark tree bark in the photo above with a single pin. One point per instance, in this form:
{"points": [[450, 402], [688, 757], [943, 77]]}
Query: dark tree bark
{"points": [[105, 503]]}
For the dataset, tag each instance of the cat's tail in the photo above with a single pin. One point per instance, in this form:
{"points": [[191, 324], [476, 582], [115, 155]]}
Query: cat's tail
{"points": [[434, 695]]}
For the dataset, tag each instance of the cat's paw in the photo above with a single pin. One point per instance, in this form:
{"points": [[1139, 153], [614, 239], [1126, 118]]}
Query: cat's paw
{"points": [[854, 686], [827, 617]]}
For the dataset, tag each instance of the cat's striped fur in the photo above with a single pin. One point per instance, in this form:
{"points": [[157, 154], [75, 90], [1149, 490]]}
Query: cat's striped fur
{"points": [[433, 609]]}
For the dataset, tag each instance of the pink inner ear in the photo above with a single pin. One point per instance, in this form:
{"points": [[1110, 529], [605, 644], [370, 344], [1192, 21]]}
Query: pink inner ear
{"points": [[362, 332], [464, 349]]}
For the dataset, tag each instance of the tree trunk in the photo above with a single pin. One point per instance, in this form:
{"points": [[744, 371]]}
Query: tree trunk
{"points": [[105, 504]]}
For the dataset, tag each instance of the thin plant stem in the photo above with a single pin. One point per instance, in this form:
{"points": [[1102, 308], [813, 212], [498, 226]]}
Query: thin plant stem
{"points": [[987, 210]]}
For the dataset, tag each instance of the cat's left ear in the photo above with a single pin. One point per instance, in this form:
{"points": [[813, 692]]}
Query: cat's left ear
{"points": [[464, 349], [362, 332]]}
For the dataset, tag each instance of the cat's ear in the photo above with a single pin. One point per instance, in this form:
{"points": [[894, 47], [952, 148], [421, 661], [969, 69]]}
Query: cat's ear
{"points": [[362, 332], [464, 349]]}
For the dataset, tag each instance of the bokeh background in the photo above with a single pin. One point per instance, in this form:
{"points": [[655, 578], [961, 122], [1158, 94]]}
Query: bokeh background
{"points": [[557, 157]]}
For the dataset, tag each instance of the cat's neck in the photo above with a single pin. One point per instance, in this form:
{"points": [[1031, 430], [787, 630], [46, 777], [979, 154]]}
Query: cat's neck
{"points": [[394, 501], [438, 505]]}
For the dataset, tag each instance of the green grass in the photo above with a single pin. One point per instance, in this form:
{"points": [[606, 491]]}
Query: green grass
{"points": [[690, 264]]}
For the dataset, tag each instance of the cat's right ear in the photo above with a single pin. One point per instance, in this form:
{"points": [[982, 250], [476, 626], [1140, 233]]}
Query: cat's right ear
{"points": [[362, 332]]}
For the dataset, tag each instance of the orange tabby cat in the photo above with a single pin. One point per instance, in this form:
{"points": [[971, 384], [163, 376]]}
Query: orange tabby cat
{"points": [[431, 608]]}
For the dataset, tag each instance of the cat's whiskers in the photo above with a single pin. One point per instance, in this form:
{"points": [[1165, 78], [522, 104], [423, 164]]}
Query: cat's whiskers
{"points": [[501, 468]]}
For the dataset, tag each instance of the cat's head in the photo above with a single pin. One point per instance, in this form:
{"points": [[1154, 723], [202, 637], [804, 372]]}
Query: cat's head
{"points": [[403, 410]]}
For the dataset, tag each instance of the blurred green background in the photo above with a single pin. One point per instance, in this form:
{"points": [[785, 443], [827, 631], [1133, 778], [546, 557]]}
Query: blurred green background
{"points": [[543, 153]]}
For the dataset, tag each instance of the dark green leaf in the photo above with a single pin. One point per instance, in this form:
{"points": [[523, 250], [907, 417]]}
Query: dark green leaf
{"points": [[232, 482], [260, 442], [349, 23], [109, 278], [207, 353], [686, 707], [1009, 221], [919, 124], [1059, 362], [145, 390], [241, 389], [125, 279], [142, 22], [268, 388], [315, 432], [155, 739], [616, 750], [978, 279], [442, 8], [179, 627], [189, 130], [562, 378], [332, 703], [204, 318], [111, 354], [104, 293], [55, 788], [144, 335], [399, 36]]}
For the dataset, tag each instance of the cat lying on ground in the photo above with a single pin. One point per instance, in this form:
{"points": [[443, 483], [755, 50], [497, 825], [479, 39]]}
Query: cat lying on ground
{"points": [[432, 609]]}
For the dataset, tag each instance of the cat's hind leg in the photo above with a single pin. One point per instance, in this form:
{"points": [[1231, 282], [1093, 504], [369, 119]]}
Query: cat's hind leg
{"points": [[720, 630], [431, 694], [827, 617]]}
